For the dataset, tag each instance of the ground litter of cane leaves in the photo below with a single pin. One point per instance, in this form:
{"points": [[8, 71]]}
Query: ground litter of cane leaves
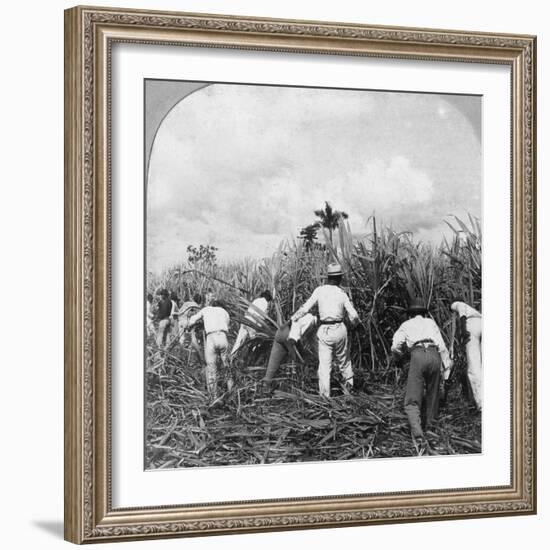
{"points": [[293, 424]]}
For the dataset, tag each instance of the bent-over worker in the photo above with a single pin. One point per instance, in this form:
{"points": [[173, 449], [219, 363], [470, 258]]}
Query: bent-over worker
{"points": [[216, 326], [174, 327], [246, 332], [184, 314], [473, 347], [287, 337], [429, 358], [186, 311]]}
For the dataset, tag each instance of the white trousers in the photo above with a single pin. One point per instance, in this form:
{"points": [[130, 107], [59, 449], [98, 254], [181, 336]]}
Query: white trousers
{"points": [[473, 355], [333, 348], [215, 348]]}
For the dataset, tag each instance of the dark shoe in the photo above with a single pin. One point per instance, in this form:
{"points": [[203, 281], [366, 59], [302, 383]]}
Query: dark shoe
{"points": [[266, 388]]}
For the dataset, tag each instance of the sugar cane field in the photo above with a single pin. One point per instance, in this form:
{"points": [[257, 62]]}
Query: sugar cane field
{"points": [[246, 425]]}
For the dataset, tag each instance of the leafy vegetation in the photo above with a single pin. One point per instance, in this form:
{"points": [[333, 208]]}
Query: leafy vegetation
{"points": [[384, 270]]}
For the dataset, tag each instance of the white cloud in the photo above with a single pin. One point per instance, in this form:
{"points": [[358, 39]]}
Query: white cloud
{"points": [[242, 167]]}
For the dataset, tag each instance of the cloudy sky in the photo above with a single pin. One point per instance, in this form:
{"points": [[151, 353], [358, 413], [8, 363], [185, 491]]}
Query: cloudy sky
{"points": [[242, 167]]}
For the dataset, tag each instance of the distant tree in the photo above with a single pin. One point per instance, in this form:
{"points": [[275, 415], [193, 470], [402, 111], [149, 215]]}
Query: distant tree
{"points": [[329, 218], [309, 235], [203, 256]]}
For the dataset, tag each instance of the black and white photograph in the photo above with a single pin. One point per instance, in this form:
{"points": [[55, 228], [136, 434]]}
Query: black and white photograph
{"points": [[313, 274]]}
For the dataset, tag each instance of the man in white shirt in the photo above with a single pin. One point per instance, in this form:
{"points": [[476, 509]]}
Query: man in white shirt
{"points": [[216, 326], [150, 317], [186, 311], [429, 359], [333, 305], [287, 336], [473, 347], [245, 331]]}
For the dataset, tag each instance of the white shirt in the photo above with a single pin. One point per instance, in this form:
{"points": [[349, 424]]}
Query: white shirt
{"points": [[464, 310], [187, 310], [333, 304], [260, 303], [299, 327], [252, 315], [214, 318], [421, 328]]}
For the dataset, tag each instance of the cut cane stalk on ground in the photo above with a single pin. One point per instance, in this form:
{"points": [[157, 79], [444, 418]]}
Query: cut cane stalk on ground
{"points": [[383, 269]]}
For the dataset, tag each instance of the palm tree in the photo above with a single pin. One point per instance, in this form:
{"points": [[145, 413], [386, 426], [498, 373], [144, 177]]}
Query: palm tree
{"points": [[329, 218], [309, 235]]}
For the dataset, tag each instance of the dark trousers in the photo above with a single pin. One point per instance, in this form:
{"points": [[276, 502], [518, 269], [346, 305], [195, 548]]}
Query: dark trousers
{"points": [[279, 351], [424, 374], [276, 357]]}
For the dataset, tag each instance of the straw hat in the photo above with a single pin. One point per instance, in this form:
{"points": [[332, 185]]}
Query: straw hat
{"points": [[417, 306], [333, 270]]}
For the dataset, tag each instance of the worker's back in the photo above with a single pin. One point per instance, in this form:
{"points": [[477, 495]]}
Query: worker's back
{"points": [[332, 302], [417, 329], [215, 319]]}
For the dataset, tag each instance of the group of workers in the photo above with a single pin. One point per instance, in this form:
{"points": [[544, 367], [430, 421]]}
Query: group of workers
{"points": [[419, 338]]}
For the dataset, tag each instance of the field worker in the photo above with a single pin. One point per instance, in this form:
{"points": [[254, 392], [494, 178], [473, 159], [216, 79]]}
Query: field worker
{"points": [[163, 316], [288, 337], [149, 315], [174, 328], [216, 326], [472, 320], [184, 314], [332, 335], [246, 332], [186, 311], [429, 357]]}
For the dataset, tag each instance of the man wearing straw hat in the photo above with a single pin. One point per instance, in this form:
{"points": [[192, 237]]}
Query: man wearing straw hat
{"points": [[332, 335], [429, 359]]}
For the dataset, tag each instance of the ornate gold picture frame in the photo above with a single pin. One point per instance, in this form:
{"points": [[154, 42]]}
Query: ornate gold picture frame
{"points": [[90, 34]]}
